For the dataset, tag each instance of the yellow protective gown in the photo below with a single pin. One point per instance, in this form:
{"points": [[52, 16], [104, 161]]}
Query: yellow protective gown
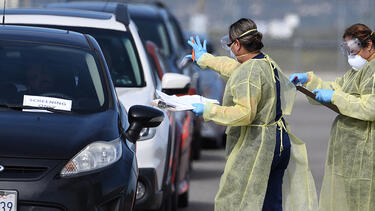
{"points": [[349, 177], [249, 111]]}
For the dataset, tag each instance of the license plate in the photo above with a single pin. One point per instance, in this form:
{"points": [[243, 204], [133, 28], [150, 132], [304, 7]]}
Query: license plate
{"points": [[8, 200]]}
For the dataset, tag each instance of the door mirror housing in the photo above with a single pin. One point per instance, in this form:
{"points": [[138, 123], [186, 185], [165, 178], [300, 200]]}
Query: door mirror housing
{"points": [[174, 83], [140, 117]]}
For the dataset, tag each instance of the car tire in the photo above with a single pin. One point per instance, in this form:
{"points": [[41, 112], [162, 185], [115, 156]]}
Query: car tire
{"points": [[220, 141], [174, 201], [224, 140], [165, 205], [183, 200], [170, 201], [174, 194], [196, 142], [196, 148]]}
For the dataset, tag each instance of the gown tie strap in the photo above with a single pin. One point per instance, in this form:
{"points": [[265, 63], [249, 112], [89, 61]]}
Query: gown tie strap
{"points": [[281, 125]]}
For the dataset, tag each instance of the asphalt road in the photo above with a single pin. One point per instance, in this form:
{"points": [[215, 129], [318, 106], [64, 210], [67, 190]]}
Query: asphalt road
{"points": [[310, 123]]}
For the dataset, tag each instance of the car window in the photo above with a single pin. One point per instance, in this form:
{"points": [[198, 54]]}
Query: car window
{"points": [[121, 56], [177, 32], [155, 76], [42, 71], [154, 30], [120, 53]]}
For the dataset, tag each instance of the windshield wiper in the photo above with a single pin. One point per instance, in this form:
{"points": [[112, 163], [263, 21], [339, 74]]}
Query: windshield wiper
{"points": [[20, 108]]}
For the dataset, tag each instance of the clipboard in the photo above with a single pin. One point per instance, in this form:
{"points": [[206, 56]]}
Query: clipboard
{"points": [[312, 95], [163, 105]]}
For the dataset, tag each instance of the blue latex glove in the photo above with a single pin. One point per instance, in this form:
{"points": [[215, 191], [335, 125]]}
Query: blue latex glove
{"points": [[295, 78], [198, 48], [199, 109], [323, 95]]}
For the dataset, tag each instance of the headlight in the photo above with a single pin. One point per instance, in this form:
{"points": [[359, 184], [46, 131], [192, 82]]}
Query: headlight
{"points": [[147, 133], [141, 190], [94, 156]]}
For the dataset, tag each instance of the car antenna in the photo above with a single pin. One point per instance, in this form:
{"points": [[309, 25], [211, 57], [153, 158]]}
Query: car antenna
{"points": [[4, 12]]}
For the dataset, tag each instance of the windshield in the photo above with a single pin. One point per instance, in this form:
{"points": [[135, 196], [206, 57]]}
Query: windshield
{"points": [[120, 53], [156, 32], [53, 76]]}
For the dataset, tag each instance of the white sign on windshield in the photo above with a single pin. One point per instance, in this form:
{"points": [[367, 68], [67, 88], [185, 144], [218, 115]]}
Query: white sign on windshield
{"points": [[47, 102]]}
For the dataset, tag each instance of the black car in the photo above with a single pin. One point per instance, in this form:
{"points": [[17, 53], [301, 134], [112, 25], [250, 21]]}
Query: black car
{"points": [[65, 140]]}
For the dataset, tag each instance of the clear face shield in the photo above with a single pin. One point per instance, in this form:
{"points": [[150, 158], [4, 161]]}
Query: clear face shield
{"points": [[226, 43], [351, 47]]}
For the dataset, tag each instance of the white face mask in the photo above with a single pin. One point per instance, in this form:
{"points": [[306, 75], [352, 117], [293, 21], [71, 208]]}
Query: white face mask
{"points": [[357, 62]]}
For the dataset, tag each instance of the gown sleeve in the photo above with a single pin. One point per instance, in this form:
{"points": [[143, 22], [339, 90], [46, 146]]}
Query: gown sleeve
{"points": [[246, 93], [359, 106], [221, 64], [317, 83]]}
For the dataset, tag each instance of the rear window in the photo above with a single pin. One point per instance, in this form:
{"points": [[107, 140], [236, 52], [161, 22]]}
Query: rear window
{"points": [[59, 74]]}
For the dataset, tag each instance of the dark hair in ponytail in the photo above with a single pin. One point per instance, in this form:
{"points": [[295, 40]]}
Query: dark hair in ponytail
{"points": [[252, 41], [360, 31]]}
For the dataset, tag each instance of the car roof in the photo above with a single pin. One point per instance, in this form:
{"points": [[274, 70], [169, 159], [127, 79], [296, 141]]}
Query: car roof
{"points": [[120, 10], [100, 6], [63, 17], [70, 13], [136, 9], [146, 11], [43, 35]]}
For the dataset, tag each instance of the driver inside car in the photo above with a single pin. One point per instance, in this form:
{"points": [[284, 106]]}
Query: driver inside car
{"points": [[40, 80]]}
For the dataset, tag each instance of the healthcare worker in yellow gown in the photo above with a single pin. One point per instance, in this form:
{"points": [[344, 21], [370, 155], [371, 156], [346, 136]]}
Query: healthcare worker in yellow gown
{"points": [[266, 166], [349, 177]]}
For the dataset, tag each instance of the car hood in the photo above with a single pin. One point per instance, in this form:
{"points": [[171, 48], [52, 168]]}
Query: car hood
{"points": [[53, 135], [135, 96]]}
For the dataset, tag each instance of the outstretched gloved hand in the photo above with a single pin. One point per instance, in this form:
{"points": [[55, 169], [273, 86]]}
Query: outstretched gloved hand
{"points": [[295, 78], [323, 95], [199, 109], [198, 48]]}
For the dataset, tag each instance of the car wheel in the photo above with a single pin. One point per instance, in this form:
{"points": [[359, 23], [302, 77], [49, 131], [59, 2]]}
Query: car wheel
{"points": [[196, 142], [174, 200], [170, 201], [220, 142], [165, 206], [183, 200], [196, 148], [224, 140], [174, 194]]}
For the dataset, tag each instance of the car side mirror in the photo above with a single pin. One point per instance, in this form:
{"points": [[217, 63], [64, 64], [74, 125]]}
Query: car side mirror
{"points": [[140, 117], [175, 83]]}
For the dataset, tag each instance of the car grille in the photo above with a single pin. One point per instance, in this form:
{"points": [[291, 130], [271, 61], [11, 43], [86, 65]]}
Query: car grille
{"points": [[19, 169], [22, 172]]}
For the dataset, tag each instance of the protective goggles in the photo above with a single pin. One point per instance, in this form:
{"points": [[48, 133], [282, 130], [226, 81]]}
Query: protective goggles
{"points": [[351, 47], [226, 42]]}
